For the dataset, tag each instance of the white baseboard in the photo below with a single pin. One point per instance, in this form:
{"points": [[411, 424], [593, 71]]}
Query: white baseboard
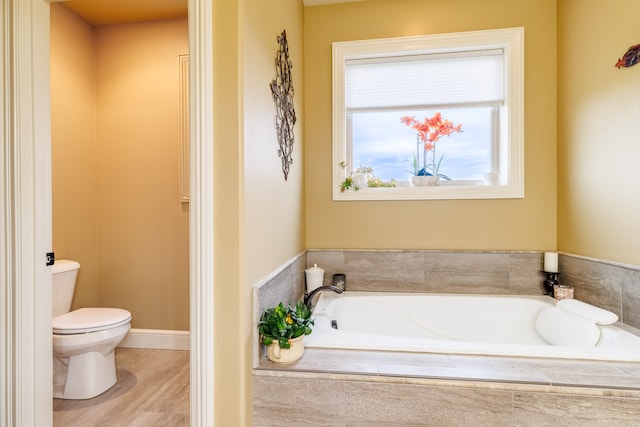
{"points": [[156, 339]]}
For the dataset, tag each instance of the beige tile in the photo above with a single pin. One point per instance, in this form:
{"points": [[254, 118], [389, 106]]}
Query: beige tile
{"points": [[631, 298], [595, 283], [571, 410], [331, 261], [402, 405], [279, 289], [350, 423], [297, 268], [409, 358], [467, 272], [560, 372], [336, 361], [400, 271], [629, 368], [549, 367], [297, 401], [464, 374], [556, 371], [525, 275]]}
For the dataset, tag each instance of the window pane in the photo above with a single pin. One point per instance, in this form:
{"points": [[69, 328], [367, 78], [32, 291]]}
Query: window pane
{"points": [[383, 142]]}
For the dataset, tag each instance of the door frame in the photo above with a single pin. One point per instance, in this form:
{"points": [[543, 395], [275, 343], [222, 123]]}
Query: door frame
{"points": [[25, 213]]}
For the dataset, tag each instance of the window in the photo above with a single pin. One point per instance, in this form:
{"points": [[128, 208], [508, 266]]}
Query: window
{"points": [[473, 80]]}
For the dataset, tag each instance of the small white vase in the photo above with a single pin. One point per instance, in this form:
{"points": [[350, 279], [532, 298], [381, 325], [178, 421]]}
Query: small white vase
{"points": [[425, 181], [360, 180], [286, 355], [490, 178]]}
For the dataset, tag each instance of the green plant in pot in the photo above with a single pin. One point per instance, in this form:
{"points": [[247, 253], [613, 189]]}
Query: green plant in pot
{"points": [[282, 329]]}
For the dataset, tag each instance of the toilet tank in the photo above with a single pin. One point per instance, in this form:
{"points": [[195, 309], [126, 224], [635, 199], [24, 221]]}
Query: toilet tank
{"points": [[65, 273]]}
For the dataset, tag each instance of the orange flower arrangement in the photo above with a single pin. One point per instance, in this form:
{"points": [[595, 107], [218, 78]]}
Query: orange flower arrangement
{"points": [[430, 130]]}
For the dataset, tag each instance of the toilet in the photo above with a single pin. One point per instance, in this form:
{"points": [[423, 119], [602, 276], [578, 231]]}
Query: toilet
{"points": [[84, 340]]}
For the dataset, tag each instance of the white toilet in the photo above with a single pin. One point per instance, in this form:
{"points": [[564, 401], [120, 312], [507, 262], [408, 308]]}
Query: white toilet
{"points": [[84, 340]]}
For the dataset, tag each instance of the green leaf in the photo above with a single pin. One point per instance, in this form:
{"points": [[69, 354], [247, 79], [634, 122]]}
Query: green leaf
{"points": [[284, 343]]}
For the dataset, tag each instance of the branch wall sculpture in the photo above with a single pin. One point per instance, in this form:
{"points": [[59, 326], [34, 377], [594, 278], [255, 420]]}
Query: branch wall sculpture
{"points": [[282, 92]]}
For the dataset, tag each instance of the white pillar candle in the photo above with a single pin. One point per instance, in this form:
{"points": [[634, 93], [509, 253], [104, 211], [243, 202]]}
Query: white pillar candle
{"points": [[551, 262]]}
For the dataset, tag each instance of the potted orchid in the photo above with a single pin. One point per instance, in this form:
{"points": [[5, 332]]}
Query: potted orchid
{"points": [[429, 132]]}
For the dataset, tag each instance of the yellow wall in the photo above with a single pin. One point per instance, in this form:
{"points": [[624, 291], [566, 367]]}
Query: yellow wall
{"points": [[274, 208], [527, 224], [115, 150], [143, 229], [74, 148], [230, 308], [598, 130], [259, 217]]}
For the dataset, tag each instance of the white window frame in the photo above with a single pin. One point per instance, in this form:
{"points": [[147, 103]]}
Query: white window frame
{"points": [[511, 170]]}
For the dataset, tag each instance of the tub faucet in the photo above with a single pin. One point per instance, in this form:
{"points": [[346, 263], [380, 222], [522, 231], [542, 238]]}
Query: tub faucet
{"points": [[309, 296]]}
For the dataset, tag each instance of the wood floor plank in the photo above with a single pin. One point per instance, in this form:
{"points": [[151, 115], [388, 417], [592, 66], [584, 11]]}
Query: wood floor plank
{"points": [[152, 390]]}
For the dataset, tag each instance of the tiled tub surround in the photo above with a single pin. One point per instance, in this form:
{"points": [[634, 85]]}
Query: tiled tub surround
{"points": [[511, 273], [364, 388], [612, 286], [286, 284]]}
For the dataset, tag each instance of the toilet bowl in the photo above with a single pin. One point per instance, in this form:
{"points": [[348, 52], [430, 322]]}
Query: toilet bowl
{"points": [[84, 340]]}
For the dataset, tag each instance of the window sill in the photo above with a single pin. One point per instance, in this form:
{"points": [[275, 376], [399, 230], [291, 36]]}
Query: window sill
{"points": [[443, 192]]}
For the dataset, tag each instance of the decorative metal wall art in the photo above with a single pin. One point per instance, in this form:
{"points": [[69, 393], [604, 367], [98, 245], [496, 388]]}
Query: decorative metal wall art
{"points": [[282, 92]]}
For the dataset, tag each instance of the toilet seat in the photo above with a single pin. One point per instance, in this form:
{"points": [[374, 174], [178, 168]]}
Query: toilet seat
{"points": [[85, 320]]}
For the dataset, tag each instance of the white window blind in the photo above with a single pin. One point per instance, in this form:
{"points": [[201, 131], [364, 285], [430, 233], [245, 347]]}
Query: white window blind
{"points": [[428, 80]]}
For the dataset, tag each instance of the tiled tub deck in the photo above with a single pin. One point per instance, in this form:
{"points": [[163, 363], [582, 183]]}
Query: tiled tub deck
{"points": [[367, 388], [361, 388]]}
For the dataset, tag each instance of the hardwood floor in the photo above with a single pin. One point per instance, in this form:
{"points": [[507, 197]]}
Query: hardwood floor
{"points": [[152, 390]]}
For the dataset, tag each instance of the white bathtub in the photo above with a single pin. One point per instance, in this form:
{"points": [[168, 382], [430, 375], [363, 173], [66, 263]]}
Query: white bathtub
{"points": [[469, 324]]}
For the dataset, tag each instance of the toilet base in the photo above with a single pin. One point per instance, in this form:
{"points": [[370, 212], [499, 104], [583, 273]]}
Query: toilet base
{"points": [[79, 385]]}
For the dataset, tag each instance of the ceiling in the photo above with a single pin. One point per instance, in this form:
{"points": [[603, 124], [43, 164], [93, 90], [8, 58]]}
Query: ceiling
{"points": [[321, 2], [104, 12]]}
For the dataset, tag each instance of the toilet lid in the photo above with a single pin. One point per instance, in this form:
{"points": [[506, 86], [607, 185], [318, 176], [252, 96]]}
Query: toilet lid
{"points": [[85, 320]]}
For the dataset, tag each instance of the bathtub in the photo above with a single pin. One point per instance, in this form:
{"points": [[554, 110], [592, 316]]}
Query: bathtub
{"points": [[525, 326]]}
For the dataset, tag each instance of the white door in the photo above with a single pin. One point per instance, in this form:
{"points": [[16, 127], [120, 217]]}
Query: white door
{"points": [[25, 214]]}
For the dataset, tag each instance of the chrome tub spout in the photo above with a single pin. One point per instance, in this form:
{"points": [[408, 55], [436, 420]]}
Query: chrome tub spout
{"points": [[308, 297]]}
